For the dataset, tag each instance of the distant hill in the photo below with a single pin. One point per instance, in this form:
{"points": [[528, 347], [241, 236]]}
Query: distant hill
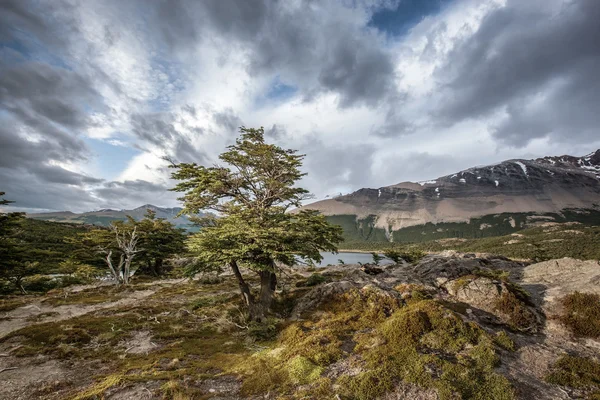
{"points": [[105, 216], [481, 201]]}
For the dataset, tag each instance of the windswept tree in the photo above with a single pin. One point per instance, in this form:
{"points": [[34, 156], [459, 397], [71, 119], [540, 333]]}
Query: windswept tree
{"points": [[252, 193], [160, 240]]}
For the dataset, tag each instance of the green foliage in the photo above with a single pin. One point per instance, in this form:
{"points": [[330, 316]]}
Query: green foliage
{"points": [[152, 240], [159, 240], [314, 280], [576, 372], [581, 314], [251, 192], [376, 258], [576, 241], [393, 255]]}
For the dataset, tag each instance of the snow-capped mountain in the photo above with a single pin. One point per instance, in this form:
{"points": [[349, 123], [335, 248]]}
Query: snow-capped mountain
{"points": [[541, 186]]}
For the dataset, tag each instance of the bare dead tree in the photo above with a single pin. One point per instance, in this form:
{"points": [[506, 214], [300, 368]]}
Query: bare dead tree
{"points": [[127, 243]]}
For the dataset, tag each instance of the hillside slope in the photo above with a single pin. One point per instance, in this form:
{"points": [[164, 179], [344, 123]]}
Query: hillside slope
{"points": [[106, 216], [487, 200]]}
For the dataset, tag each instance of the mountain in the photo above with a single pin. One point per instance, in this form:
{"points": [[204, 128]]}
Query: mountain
{"points": [[480, 201], [106, 216]]}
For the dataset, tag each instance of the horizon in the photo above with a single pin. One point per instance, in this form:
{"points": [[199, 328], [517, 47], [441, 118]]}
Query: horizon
{"points": [[93, 95]]}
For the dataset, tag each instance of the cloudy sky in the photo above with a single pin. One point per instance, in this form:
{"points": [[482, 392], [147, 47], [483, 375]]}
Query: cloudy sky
{"points": [[94, 93]]}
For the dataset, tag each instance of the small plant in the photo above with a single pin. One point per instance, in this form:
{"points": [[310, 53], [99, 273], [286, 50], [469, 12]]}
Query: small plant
{"points": [[315, 279], [393, 255], [376, 258], [265, 330], [341, 262], [581, 314]]}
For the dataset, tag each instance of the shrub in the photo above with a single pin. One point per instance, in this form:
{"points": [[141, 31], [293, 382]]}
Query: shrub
{"points": [[315, 279], [265, 330], [575, 372], [581, 314], [520, 317]]}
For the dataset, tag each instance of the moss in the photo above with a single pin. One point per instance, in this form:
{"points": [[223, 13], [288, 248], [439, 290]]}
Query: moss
{"points": [[264, 331], [11, 303], [413, 292], [575, 372], [90, 296], [303, 371], [210, 301], [503, 340], [581, 314], [430, 346]]}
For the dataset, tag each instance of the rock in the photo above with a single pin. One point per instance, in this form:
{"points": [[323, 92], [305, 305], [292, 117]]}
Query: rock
{"points": [[497, 298], [313, 299]]}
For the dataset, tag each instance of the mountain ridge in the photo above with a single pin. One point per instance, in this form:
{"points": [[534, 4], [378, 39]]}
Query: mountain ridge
{"points": [[547, 185], [105, 216]]}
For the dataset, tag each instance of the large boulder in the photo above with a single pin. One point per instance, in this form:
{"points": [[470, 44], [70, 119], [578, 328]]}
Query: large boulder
{"points": [[507, 302]]}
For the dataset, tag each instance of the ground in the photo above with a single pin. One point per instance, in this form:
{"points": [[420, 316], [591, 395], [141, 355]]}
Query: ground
{"points": [[453, 326]]}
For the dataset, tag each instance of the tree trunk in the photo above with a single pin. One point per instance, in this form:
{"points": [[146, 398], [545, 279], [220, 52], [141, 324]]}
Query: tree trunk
{"points": [[110, 266], [257, 308], [244, 288], [158, 267]]}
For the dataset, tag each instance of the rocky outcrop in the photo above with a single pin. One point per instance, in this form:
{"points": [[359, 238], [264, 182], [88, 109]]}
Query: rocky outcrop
{"points": [[497, 294]]}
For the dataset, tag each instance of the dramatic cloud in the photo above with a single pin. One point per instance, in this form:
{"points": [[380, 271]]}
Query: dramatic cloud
{"points": [[94, 95], [534, 61]]}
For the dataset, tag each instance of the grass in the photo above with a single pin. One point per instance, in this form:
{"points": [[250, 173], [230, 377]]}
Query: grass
{"points": [[11, 303], [581, 314]]}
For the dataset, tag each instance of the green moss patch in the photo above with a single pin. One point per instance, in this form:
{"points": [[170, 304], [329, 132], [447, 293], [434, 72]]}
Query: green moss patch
{"points": [[577, 372], [419, 342]]}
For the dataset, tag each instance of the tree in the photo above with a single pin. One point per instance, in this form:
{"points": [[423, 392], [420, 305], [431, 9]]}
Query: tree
{"points": [[393, 255], [120, 239], [376, 258], [15, 263], [251, 194], [160, 240]]}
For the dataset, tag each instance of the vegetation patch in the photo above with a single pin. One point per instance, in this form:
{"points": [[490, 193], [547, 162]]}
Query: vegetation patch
{"points": [[313, 280], [420, 342], [537, 244], [581, 314], [577, 372], [520, 317]]}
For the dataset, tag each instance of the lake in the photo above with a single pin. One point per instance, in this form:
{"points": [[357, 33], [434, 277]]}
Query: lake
{"points": [[349, 258]]}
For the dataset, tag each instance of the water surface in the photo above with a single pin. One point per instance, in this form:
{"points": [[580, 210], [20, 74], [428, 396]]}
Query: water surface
{"points": [[349, 258]]}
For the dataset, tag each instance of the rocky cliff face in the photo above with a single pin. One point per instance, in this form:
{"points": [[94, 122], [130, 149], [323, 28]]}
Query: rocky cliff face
{"points": [[543, 185]]}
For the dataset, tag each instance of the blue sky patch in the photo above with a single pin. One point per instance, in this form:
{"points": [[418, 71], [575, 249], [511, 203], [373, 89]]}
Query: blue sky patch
{"points": [[109, 159], [279, 91], [399, 21]]}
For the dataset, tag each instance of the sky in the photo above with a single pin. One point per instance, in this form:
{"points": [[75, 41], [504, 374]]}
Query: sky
{"points": [[94, 94]]}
